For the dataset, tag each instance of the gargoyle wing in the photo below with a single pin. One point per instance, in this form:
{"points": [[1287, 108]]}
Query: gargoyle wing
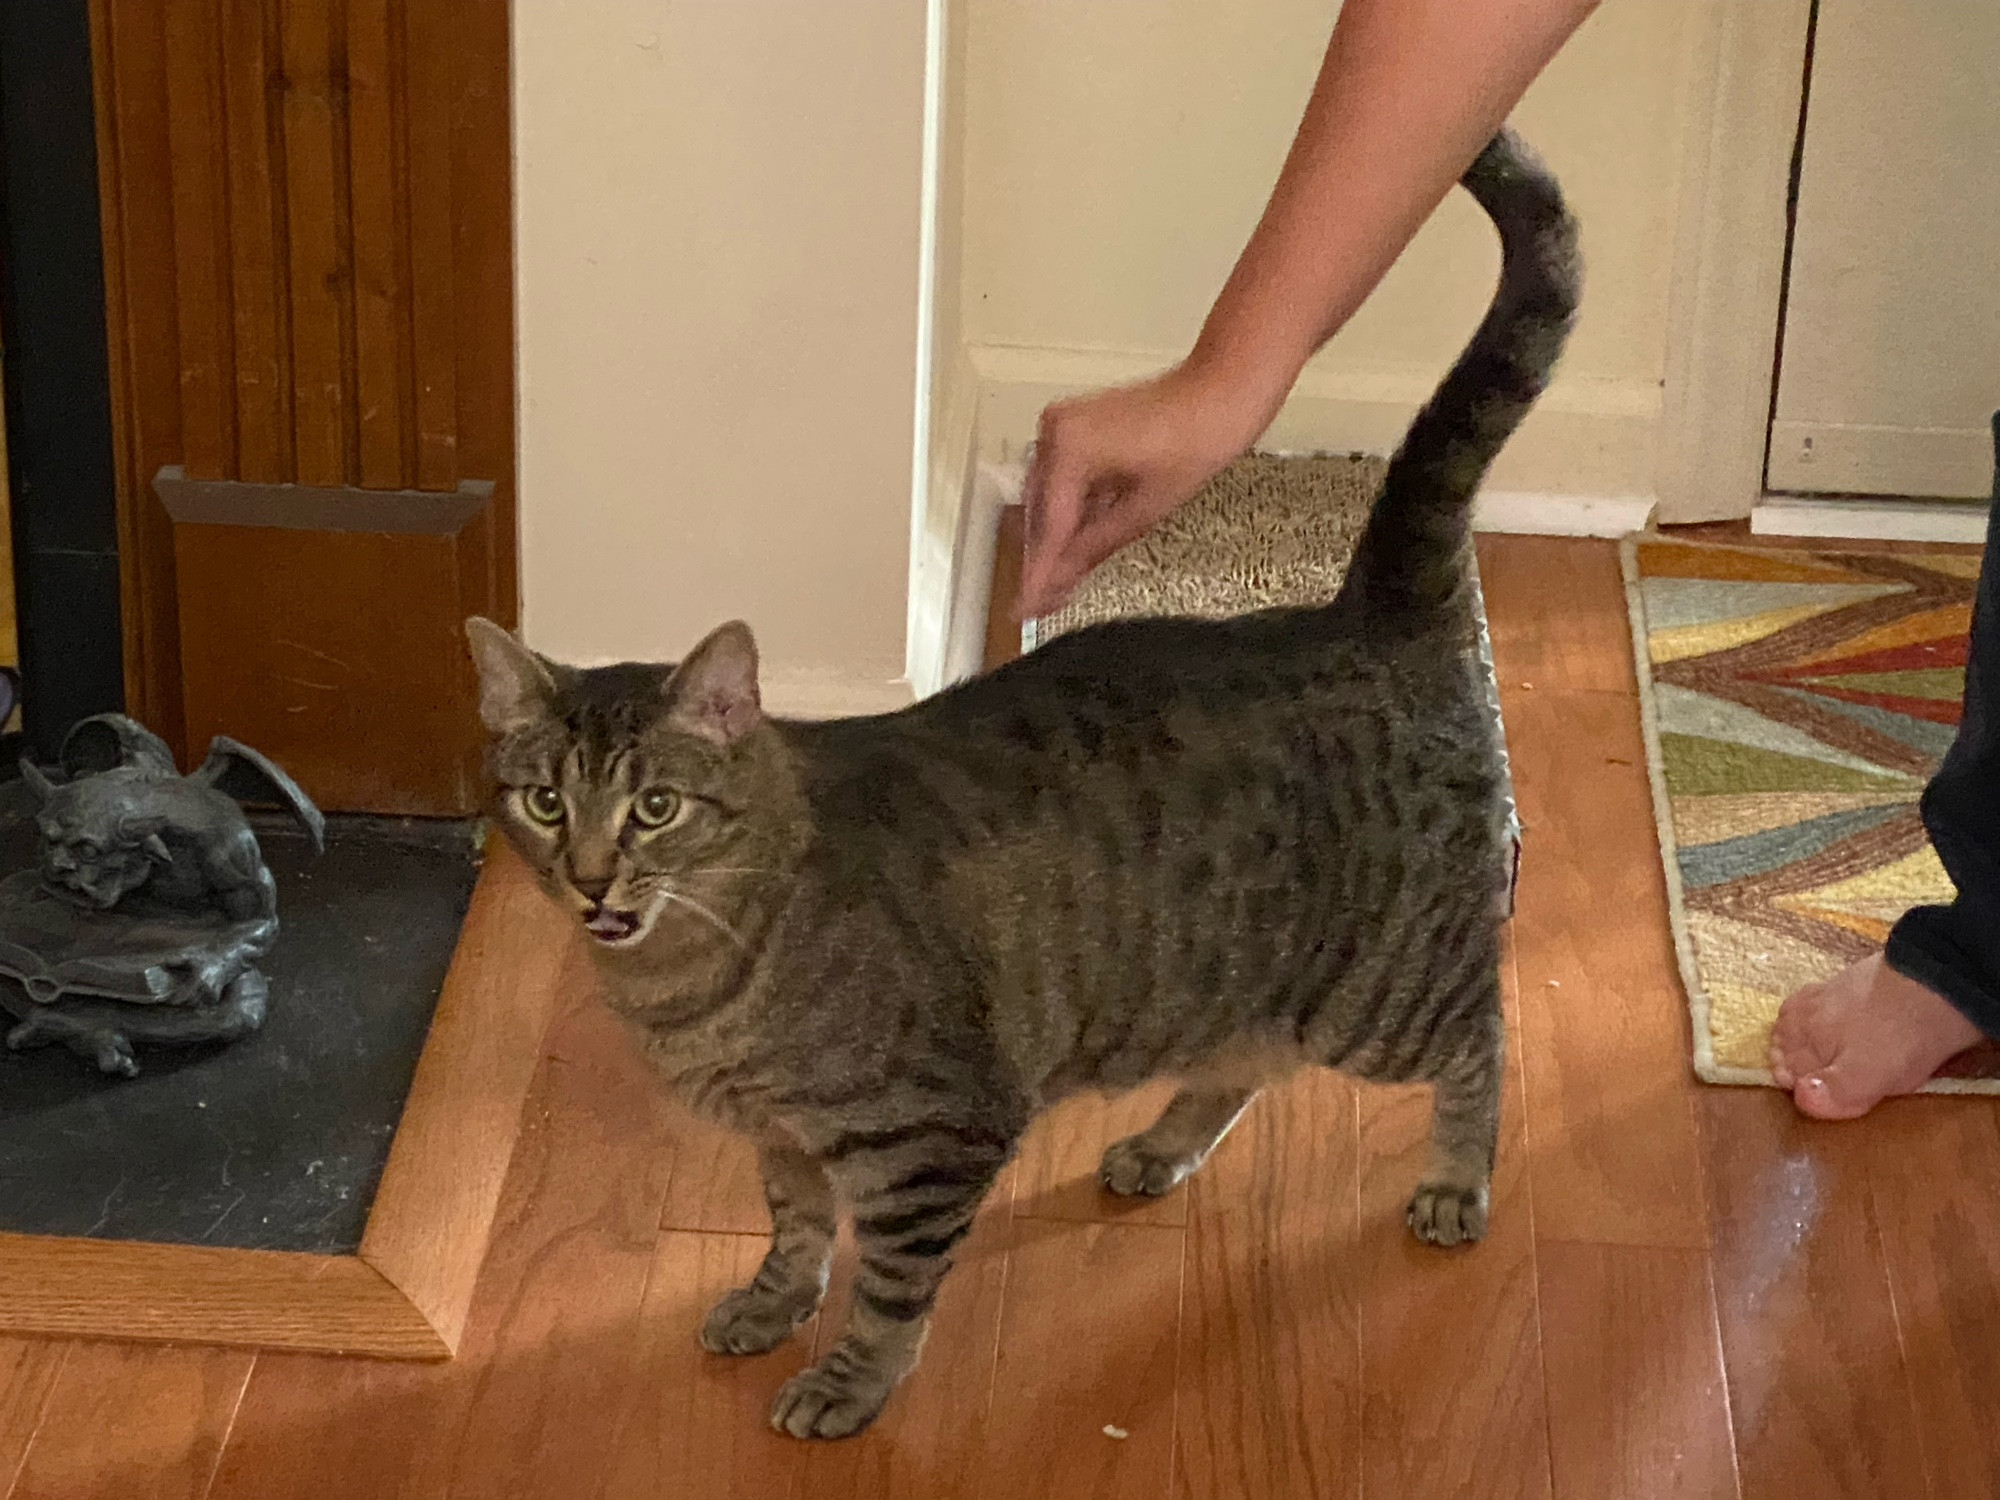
{"points": [[107, 741], [242, 767]]}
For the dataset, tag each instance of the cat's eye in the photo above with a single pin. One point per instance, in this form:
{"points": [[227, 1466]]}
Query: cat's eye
{"points": [[656, 807], [544, 804]]}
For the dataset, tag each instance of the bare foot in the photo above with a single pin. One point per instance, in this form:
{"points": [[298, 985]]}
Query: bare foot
{"points": [[1844, 1046]]}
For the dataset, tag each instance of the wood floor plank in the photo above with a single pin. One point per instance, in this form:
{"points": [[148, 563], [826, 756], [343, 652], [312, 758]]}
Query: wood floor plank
{"points": [[1604, 1022], [1451, 1360], [130, 1419], [541, 1415], [690, 1422], [1638, 1406], [713, 1185], [1056, 1171], [1941, 1242], [1555, 608], [1855, 1295], [1818, 1388], [932, 1443], [28, 1371], [529, 1405], [1087, 1338], [1268, 1389]]}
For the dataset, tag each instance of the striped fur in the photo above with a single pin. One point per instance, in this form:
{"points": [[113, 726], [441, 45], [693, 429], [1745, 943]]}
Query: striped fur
{"points": [[1216, 851]]}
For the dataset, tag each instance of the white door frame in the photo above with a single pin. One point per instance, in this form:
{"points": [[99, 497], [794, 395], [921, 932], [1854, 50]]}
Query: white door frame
{"points": [[1729, 257], [1726, 298]]}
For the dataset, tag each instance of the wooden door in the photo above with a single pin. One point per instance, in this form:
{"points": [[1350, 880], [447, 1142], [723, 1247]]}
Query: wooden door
{"points": [[308, 268], [1890, 365]]}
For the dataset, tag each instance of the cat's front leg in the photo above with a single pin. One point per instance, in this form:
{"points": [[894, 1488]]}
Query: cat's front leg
{"points": [[1452, 1201], [907, 1219], [789, 1284]]}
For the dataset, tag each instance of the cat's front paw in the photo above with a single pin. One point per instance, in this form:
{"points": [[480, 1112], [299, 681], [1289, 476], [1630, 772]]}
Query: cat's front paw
{"points": [[1133, 1168], [748, 1321], [1444, 1213], [830, 1401]]}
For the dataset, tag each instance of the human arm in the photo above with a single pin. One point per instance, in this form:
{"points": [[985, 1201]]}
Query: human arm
{"points": [[1408, 93]]}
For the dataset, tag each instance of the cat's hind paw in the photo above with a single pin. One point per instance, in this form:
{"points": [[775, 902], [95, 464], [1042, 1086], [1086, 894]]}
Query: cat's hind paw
{"points": [[1446, 1214], [1134, 1168]]}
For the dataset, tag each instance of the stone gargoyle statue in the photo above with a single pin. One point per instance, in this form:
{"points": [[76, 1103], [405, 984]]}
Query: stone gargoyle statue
{"points": [[152, 902]]}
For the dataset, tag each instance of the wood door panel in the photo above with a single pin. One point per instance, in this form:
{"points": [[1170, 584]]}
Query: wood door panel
{"points": [[200, 237], [309, 266], [379, 195], [301, 611], [135, 185], [259, 304], [429, 59]]}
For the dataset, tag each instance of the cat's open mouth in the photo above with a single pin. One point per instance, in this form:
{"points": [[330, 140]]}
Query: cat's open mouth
{"points": [[612, 928]]}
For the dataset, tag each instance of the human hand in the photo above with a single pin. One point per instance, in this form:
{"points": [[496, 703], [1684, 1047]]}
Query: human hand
{"points": [[1109, 465]]}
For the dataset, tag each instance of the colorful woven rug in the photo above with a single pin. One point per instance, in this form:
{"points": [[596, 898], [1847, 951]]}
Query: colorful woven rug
{"points": [[1795, 705]]}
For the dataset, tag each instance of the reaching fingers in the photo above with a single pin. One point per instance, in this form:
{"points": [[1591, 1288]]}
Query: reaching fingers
{"points": [[1053, 497], [1122, 517]]}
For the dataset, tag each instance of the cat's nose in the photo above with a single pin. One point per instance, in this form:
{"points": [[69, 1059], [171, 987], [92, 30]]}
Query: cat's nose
{"points": [[593, 890]]}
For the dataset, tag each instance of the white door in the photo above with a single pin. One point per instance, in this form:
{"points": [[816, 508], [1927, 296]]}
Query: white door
{"points": [[1889, 370]]}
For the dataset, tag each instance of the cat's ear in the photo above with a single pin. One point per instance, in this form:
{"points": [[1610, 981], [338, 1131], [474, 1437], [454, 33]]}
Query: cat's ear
{"points": [[713, 693], [515, 688]]}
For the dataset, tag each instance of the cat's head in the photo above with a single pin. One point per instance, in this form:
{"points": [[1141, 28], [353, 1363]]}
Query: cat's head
{"points": [[634, 787]]}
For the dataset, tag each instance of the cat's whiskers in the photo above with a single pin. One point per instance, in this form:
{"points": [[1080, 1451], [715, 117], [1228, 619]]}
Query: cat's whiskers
{"points": [[669, 894]]}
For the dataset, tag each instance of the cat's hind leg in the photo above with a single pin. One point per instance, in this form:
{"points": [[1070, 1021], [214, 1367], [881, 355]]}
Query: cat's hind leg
{"points": [[1451, 1202], [1169, 1150], [789, 1284]]}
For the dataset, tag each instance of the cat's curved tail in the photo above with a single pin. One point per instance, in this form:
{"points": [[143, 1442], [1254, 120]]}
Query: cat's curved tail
{"points": [[1413, 562]]}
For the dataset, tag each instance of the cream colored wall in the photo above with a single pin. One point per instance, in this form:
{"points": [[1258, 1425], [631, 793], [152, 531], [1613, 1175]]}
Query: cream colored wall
{"points": [[720, 206], [718, 213], [1118, 153]]}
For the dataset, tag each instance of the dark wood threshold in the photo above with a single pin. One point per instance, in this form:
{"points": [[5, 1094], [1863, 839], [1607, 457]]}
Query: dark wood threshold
{"points": [[1003, 631], [1738, 534]]}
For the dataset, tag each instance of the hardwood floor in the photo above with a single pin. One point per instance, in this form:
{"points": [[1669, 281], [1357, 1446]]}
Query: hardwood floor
{"points": [[1687, 1291]]}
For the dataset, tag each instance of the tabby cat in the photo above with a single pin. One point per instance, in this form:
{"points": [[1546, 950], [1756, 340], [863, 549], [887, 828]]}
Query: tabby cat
{"points": [[1212, 850]]}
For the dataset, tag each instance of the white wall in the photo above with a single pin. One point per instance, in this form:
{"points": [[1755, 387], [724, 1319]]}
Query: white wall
{"points": [[720, 207], [1118, 153], [718, 213]]}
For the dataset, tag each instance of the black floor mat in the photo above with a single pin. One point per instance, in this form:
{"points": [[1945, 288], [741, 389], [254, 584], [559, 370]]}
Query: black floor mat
{"points": [[278, 1141]]}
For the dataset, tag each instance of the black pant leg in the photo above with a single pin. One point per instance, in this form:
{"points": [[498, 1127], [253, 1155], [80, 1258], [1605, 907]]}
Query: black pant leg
{"points": [[1955, 950]]}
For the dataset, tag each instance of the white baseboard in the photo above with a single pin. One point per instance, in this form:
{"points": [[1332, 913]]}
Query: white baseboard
{"points": [[1588, 436], [1871, 520], [820, 693], [1526, 513], [1516, 512]]}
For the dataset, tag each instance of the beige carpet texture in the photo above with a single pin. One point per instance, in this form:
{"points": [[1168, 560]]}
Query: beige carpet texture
{"points": [[1267, 530]]}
